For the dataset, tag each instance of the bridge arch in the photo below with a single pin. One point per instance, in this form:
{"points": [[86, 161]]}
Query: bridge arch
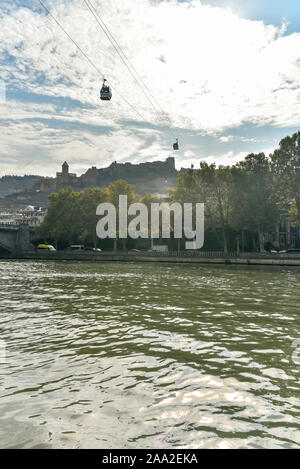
{"points": [[5, 247]]}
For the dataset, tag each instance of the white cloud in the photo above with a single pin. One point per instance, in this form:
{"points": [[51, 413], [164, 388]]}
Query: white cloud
{"points": [[216, 71], [227, 159]]}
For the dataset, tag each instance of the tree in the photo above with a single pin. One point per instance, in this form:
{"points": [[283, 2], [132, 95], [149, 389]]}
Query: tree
{"points": [[62, 221], [88, 201], [254, 197], [217, 187], [211, 186], [286, 165]]}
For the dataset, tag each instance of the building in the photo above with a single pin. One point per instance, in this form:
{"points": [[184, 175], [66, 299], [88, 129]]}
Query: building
{"points": [[64, 178], [32, 216]]}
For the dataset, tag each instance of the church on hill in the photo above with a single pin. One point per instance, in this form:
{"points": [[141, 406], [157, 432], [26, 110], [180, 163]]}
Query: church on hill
{"points": [[64, 178]]}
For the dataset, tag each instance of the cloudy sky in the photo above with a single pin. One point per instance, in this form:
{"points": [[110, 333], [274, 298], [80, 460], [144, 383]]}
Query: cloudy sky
{"points": [[226, 75]]}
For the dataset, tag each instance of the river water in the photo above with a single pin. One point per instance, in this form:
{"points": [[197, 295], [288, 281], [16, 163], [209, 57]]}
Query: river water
{"points": [[124, 355]]}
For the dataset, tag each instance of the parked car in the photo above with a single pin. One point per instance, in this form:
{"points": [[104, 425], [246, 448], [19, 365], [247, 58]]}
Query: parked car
{"points": [[46, 247], [76, 247], [92, 249]]}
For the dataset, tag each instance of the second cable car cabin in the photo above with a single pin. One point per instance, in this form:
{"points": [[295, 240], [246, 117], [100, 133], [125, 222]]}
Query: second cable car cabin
{"points": [[175, 145], [105, 92]]}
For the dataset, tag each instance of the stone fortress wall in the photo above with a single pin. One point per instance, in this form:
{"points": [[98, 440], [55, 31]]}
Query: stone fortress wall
{"points": [[150, 176]]}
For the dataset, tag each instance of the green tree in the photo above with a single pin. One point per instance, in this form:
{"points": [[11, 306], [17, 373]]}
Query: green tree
{"points": [[211, 186], [216, 184], [62, 221], [254, 198], [286, 165], [88, 201]]}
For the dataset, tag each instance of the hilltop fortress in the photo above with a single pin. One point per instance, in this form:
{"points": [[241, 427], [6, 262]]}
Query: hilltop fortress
{"points": [[156, 176]]}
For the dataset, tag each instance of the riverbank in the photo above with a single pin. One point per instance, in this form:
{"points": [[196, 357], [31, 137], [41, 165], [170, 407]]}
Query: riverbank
{"points": [[171, 257]]}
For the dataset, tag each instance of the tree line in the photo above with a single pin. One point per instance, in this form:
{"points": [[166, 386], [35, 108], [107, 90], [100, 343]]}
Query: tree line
{"points": [[71, 216], [244, 200]]}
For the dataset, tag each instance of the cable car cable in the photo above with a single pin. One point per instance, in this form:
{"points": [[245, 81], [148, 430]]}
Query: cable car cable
{"points": [[91, 63], [112, 38], [123, 56], [95, 67]]}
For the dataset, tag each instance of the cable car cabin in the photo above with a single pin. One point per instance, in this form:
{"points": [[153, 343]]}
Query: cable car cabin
{"points": [[175, 145], [105, 92]]}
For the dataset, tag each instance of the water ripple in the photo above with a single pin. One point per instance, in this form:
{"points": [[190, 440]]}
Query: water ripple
{"points": [[139, 356]]}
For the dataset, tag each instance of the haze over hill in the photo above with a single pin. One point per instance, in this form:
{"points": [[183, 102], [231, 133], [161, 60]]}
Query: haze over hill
{"points": [[9, 184], [154, 177]]}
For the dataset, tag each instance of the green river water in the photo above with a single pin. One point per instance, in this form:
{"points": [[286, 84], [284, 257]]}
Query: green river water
{"points": [[125, 355]]}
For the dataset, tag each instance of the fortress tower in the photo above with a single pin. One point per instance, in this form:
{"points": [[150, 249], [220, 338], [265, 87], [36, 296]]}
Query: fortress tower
{"points": [[65, 168], [65, 178]]}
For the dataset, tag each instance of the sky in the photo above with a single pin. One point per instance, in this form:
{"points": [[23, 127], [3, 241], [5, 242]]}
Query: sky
{"points": [[226, 75]]}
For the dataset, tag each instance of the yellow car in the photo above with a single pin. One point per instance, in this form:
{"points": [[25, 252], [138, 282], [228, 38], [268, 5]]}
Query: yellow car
{"points": [[47, 247]]}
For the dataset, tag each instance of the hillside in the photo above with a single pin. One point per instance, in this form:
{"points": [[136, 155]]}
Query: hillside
{"points": [[19, 191], [8, 184]]}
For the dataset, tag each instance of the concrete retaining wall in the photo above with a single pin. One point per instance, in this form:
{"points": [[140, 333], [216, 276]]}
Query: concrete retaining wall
{"points": [[103, 257]]}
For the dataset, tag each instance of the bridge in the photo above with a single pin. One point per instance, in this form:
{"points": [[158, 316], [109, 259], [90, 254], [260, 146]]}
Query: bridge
{"points": [[15, 239]]}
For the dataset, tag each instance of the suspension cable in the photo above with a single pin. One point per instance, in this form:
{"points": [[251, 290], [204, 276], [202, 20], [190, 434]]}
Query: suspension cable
{"points": [[125, 59], [89, 60], [112, 38], [164, 114]]}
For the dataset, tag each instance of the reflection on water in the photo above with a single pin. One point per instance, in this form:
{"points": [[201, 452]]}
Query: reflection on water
{"points": [[123, 355]]}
